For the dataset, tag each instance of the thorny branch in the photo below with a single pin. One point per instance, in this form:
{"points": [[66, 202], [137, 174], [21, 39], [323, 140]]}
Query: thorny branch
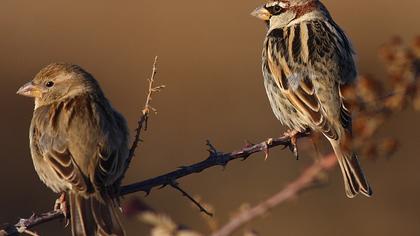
{"points": [[215, 158], [25, 224], [142, 123]]}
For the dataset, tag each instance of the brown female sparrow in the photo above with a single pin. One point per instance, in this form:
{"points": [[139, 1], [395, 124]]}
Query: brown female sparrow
{"points": [[79, 145], [306, 59]]}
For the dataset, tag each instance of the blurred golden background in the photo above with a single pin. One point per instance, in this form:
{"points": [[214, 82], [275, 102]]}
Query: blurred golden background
{"points": [[209, 58]]}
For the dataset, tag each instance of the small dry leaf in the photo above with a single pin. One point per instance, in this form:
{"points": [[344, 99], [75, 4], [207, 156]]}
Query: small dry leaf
{"points": [[388, 147], [366, 125], [163, 225], [349, 94], [159, 232], [369, 90], [397, 101], [387, 51], [187, 233], [369, 150], [160, 222]]}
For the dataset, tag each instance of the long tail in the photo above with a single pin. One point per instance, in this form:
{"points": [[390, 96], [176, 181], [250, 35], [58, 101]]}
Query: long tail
{"points": [[354, 179], [92, 217]]}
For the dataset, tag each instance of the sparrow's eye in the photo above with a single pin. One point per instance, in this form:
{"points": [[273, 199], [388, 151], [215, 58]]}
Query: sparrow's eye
{"points": [[49, 84], [276, 10]]}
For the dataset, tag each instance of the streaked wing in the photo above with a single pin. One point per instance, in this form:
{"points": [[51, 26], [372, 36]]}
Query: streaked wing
{"points": [[65, 167], [291, 56], [345, 112], [52, 145], [83, 141], [326, 41], [111, 148]]}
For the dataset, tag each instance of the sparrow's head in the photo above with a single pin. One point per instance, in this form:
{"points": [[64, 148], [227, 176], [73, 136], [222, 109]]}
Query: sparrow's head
{"points": [[280, 13], [59, 81]]}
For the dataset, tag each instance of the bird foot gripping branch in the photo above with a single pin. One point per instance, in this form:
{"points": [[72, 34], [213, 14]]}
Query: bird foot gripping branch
{"points": [[61, 205], [267, 143], [293, 135]]}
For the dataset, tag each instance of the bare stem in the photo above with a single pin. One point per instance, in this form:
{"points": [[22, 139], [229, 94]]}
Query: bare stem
{"points": [[195, 202], [142, 123]]}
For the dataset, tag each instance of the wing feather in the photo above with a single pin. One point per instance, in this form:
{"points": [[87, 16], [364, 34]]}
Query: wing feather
{"points": [[295, 83], [83, 142]]}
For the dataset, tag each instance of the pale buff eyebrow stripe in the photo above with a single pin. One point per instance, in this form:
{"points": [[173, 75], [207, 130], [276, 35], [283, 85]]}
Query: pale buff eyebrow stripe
{"points": [[270, 4], [281, 4]]}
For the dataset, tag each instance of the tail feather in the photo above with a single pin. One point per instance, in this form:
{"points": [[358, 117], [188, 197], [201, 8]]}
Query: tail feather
{"points": [[80, 216], [93, 217], [355, 180], [106, 217]]}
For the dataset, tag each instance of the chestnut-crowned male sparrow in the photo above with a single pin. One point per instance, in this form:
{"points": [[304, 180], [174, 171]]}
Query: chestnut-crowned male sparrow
{"points": [[79, 145], [306, 59]]}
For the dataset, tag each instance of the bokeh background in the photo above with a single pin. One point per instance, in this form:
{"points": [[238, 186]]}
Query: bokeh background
{"points": [[210, 61]]}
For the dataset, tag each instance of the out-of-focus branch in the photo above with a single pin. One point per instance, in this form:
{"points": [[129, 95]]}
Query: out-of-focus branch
{"points": [[306, 180]]}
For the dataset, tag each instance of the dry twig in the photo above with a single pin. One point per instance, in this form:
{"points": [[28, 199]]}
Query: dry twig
{"points": [[142, 123], [175, 185]]}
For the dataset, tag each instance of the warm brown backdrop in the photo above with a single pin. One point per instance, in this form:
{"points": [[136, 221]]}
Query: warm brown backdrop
{"points": [[210, 60]]}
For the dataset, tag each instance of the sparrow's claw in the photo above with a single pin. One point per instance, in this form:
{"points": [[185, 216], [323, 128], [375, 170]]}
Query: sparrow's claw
{"points": [[61, 204], [267, 143], [293, 142], [293, 147]]}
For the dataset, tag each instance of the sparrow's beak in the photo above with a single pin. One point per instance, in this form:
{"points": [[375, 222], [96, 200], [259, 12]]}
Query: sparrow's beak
{"points": [[261, 13], [29, 90]]}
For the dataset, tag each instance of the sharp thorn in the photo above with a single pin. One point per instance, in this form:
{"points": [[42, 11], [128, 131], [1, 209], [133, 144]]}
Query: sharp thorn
{"points": [[162, 186]]}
